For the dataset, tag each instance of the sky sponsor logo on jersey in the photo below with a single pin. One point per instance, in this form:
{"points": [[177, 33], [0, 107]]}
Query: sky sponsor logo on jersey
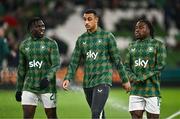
{"points": [[91, 54], [35, 63], [141, 63]]}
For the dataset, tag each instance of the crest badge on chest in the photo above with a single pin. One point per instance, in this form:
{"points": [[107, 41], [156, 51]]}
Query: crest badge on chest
{"points": [[133, 49], [150, 49]]}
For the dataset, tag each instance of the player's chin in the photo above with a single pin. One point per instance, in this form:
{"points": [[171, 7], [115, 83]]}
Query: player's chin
{"points": [[137, 36], [41, 35]]}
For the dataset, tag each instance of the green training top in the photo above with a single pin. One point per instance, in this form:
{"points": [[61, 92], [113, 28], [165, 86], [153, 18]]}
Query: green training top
{"points": [[98, 52], [144, 62], [38, 58]]}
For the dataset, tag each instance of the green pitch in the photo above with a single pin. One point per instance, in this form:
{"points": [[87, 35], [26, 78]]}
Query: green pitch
{"points": [[72, 105]]}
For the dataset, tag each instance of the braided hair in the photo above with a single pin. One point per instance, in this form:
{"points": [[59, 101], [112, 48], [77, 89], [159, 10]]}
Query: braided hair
{"points": [[149, 24], [32, 21]]}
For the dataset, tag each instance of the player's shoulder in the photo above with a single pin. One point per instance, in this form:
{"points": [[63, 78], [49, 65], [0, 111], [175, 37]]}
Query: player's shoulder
{"points": [[133, 42], [46, 38], [25, 41], [83, 35], [50, 40], [158, 41], [106, 33]]}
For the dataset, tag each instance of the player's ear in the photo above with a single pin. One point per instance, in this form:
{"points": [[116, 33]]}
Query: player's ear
{"points": [[96, 19]]}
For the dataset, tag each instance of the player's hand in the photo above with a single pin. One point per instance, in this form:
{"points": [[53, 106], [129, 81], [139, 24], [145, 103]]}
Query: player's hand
{"points": [[127, 86], [66, 84], [18, 96], [44, 83]]}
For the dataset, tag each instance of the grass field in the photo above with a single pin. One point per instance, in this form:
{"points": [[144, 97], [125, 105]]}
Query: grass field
{"points": [[72, 105]]}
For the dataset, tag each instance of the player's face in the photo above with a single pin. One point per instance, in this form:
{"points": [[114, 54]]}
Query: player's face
{"points": [[141, 30], [90, 21], [38, 29]]}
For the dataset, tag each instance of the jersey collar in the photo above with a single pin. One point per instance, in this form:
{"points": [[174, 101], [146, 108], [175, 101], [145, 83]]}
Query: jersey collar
{"points": [[145, 40], [33, 38], [92, 33]]}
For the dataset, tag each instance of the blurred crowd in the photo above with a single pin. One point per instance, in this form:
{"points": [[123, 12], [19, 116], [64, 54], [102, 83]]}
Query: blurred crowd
{"points": [[15, 13]]}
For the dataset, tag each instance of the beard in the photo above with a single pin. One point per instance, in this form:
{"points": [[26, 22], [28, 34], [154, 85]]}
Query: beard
{"points": [[38, 35]]}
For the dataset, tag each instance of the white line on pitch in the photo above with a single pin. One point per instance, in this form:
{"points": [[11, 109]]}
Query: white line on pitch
{"points": [[174, 115], [117, 104]]}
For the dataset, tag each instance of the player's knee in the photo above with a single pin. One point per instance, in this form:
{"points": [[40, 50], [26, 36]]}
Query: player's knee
{"points": [[51, 113], [28, 111], [136, 114], [152, 116]]}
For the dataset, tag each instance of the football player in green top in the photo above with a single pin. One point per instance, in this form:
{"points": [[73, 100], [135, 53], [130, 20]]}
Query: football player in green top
{"points": [[144, 62], [97, 49], [39, 60]]}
